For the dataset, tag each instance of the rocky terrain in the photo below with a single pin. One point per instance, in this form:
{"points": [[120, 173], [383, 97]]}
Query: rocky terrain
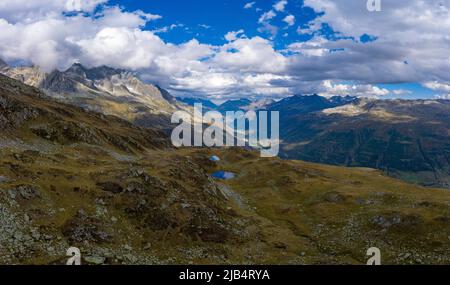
{"points": [[123, 195]]}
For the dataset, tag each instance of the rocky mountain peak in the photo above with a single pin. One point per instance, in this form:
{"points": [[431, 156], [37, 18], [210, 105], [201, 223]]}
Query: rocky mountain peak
{"points": [[109, 91], [103, 72], [76, 68], [310, 98], [76, 71], [95, 73], [60, 83]]}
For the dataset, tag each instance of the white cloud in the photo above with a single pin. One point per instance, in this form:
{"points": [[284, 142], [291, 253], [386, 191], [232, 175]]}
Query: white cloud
{"points": [[399, 92], [116, 17], [359, 90], [111, 37], [267, 16], [314, 47], [412, 39], [442, 88], [81, 5], [412, 46], [266, 27], [249, 5], [166, 29], [261, 84], [32, 10], [280, 6], [444, 96], [290, 20], [231, 36], [309, 28], [148, 16], [437, 86], [121, 47], [115, 37], [249, 55]]}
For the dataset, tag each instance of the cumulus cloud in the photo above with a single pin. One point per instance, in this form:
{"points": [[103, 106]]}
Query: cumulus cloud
{"points": [[412, 38], [121, 47], [442, 88], [289, 19], [360, 90], [111, 37], [114, 37], [267, 16], [249, 55], [437, 86], [314, 47], [116, 17], [411, 46], [280, 6], [32, 10], [233, 35], [266, 26]]}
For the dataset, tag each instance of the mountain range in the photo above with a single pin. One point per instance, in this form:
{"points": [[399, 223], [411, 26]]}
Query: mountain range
{"points": [[103, 89], [230, 105], [206, 104], [407, 139], [122, 194]]}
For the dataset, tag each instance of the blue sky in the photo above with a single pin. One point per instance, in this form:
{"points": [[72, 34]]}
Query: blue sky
{"points": [[208, 21], [253, 48]]}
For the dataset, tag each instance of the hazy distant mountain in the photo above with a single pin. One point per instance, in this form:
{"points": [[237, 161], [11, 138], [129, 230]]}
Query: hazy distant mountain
{"points": [[207, 105], [301, 104], [104, 89], [234, 105], [405, 138], [244, 105], [230, 105], [261, 104]]}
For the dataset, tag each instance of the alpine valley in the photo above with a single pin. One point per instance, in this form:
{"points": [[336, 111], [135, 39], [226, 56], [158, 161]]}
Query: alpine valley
{"points": [[86, 161]]}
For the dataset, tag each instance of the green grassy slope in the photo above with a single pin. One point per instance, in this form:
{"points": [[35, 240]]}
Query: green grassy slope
{"points": [[123, 195]]}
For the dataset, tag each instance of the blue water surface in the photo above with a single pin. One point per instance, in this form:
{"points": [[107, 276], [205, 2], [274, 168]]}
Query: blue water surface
{"points": [[214, 158], [223, 175]]}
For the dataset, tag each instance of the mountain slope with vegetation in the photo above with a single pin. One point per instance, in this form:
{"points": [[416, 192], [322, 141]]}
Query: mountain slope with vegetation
{"points": [[407, 139], [123, 195]]}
